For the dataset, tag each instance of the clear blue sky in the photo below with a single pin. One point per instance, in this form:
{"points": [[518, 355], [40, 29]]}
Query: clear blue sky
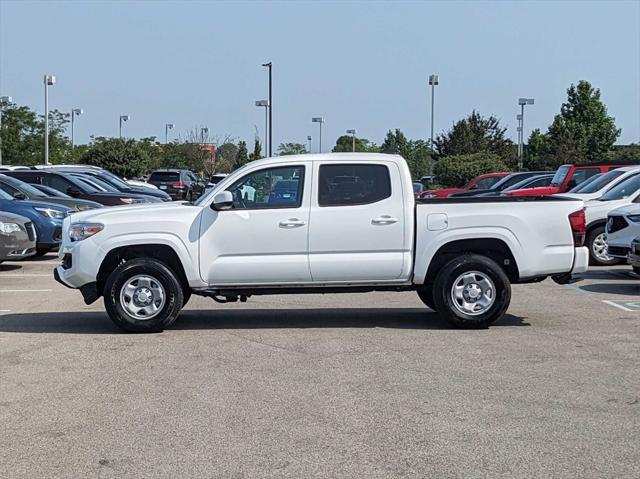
{"points": [[360, 65]]}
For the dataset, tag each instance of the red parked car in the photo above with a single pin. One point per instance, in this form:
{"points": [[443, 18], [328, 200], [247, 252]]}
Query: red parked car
{"points": [[482, 182], [566, 178]]}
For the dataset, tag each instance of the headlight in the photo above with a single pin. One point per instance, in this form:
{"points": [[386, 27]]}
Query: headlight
{"points": [[634, 218], [81, 231], [8, 228], [129, 201], [84, 207], [51, 213]]}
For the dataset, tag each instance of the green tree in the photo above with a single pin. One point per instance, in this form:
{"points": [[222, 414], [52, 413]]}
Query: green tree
{"points": [[125, 157], [536, 152], [285, 149], [242, 158], [475, 134], [457, 170], [180, 155], [22, 136], [416, 153], [582, 132], [257, 150], [344, 143]]}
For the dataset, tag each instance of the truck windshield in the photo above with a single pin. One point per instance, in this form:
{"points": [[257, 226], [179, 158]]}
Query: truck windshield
{"points": [[601, 181], [625, 189], [560, 175]]}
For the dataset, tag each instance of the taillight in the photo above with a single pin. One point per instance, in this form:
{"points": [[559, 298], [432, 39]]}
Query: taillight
{"points": [[578, 224], [178, 184]]}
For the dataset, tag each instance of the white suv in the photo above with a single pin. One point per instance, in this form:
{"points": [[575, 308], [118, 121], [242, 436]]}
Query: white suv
{"points": [[623, 226]]}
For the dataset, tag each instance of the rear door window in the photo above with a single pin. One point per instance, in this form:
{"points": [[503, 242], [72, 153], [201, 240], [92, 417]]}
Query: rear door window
{"points": [[357, 184]]}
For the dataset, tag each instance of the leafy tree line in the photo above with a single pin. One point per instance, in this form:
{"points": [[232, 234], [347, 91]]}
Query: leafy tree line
{"points": [[582, 132]]}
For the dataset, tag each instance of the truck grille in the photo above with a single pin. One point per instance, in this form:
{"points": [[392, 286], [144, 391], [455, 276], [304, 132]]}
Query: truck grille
{"points": [[616, 223]]}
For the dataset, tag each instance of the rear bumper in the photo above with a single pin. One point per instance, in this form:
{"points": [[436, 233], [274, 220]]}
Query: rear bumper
{"points": [[580, 265]]}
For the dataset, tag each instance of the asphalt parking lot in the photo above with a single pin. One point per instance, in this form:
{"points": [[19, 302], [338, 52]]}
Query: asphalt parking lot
{"points": [[370, 385]]}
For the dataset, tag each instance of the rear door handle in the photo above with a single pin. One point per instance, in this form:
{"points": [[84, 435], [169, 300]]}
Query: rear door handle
{"points": [[292, 223], [384, 220]]}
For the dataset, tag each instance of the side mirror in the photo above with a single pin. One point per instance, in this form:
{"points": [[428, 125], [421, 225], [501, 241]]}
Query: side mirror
{"points": [[73, 192], [222, 201], [20, 196]]}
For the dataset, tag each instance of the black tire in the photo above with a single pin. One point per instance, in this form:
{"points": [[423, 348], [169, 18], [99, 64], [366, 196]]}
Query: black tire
{"points": [[426, 296], [41, 252], [163, 275], [593, 259], [454, 269], [186, 296]]}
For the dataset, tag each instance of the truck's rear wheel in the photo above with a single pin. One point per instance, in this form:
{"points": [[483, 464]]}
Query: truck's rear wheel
{"points": [[471, 291], [143, 295]]}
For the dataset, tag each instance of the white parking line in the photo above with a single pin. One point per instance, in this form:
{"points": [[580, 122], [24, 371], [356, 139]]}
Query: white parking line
{"points": [[5, 310], [611, 303], [25, 290]]}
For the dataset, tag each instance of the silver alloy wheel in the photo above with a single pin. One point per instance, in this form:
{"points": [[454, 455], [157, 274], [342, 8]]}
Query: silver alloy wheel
{"points": [[600, 249], [142, 297], [473, 293]]}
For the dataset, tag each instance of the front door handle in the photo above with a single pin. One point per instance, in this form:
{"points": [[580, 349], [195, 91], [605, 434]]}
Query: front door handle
{"points": [[292, 223], [384, 220]]}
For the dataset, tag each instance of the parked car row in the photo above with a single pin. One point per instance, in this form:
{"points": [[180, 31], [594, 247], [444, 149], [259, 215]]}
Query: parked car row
{"points": [[603, 187], [35, 200]]}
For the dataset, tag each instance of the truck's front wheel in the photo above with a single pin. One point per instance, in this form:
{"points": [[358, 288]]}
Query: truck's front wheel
{"points": [[471, 291], [143, 295]]}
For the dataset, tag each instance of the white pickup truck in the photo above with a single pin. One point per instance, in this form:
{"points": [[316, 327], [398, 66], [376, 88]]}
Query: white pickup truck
{"points": [[326, 223]]}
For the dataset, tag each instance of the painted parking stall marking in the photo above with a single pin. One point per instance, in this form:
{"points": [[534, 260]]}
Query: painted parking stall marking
{"points": [[624, 305]]}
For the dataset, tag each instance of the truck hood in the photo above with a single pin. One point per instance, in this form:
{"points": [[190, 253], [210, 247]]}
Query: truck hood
{"points": [[135, 213]]}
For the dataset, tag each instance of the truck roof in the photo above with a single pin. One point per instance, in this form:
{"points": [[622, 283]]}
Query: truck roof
{"points": [[342, 157]]}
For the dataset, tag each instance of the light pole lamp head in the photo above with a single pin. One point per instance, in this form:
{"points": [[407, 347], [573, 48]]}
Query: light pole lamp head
{"points": [[204, 130], [318, 119], [77, 111], [267, 65], [49, 80], [264, 103], [125, 117], [309, 138], [351, 132], [525, 101], [170, 126], [433, 79]]}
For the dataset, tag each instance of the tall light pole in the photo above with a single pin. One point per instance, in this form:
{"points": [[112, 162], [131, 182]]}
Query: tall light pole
{"points": [[74, 112], [270, 106], [352, 132], [3, 100], [265, 104], [319, 119], [522, 102], [123, 118], [167, 127], [433, 81], [309, 140], [519, 130], [48, 81]]}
